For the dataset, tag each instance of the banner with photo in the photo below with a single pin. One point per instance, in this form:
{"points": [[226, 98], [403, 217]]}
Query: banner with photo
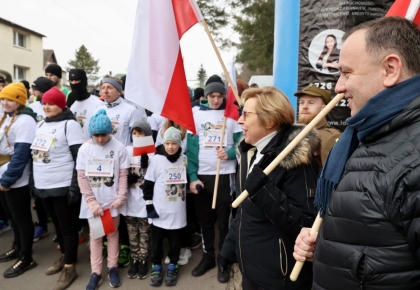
{"points": [[322, 27]]}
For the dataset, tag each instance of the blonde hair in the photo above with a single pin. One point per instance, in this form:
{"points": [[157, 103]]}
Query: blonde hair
{"points": [[6, 132], [272, 106], [170, 123]]}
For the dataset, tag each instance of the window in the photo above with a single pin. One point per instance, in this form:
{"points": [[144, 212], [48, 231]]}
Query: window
{"points": [[20, 39], [20, 73]]}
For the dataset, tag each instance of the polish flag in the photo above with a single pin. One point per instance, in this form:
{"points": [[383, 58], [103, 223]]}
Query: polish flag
{"points": [[101, 226], [406, 8], [143, 145], [155, 76], [231, 110]]}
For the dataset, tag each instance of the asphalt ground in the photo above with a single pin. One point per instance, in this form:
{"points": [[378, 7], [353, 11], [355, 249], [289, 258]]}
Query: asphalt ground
{"points": [[45, 254]]}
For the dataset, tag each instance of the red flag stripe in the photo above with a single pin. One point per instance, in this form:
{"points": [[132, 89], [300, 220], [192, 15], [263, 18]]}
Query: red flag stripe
{"points": [[177, 105], [185, 16], [107, 222], [138, 151]]}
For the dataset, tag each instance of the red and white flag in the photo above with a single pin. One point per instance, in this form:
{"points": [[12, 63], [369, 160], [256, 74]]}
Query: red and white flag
{"points": [[101, 226], [143, 145], [406, 8], [155, 76], [231, 110]]}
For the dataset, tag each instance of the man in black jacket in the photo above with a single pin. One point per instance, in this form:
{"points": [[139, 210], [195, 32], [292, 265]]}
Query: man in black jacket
{"points": [[370, 238]]}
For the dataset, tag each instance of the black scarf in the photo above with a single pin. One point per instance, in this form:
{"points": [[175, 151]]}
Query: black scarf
{"points": [[172, 158]]}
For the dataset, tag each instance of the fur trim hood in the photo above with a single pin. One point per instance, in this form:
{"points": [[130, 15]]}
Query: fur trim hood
{"points": [[304, 153]]}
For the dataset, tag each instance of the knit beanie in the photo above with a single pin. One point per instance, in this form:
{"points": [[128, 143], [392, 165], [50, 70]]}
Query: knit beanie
{"points": [[144, 126], [15, 92], [54, 69], [172, 134], [198, 93], [42, 84], [56, 97], [25, 83], [214, 84], [100, 123]]}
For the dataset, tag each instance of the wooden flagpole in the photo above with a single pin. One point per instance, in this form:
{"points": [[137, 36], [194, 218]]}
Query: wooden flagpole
{"points": [[293, 144], [216, 183]]}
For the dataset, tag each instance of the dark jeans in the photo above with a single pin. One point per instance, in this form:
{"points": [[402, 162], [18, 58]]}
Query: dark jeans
{"points": [[65, 218], [17, 205], [122, 229], [207, 217], [174, 239], [3, 216], [41, 213]]}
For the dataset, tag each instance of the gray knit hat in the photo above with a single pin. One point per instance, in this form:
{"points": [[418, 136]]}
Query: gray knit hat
{"points": [[214, 84], [172, 134], [144, 126]]}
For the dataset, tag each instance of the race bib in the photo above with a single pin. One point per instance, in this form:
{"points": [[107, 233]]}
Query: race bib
{"points": [[175, 175], [100, 167], [42, 142], [135, 161], [213, 137]]}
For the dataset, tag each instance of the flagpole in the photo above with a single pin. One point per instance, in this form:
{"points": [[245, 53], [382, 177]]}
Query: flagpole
{"points": [[238, 99], [293, 144], [216, 182], [231, 84]]}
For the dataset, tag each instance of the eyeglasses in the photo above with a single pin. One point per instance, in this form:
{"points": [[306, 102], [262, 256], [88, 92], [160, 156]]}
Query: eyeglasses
{"points": [[245, 114]]}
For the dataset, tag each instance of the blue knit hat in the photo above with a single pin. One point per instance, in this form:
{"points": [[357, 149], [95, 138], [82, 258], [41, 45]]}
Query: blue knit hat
{"points": [[100, 123]]}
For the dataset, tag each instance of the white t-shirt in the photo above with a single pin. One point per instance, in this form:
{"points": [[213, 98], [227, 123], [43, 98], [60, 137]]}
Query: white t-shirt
{"points": [[207, 156], [122, 118], [37, 108], [21, 131], [169, 200], [105, 189], [156, 121], [54, 168], [159, 141], [135, 205], [84, 110]]}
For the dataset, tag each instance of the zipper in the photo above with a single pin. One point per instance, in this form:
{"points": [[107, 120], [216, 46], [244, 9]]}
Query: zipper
{"points": [[240, 170], [239, 243], [283, 271]]}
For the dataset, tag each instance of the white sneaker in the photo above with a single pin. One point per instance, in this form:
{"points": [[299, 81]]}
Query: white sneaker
{"points": [[184, 256]]}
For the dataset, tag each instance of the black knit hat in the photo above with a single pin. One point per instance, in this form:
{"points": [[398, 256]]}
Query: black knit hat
{"points": [[54, 69], [2, 80], [123, 81], [25, 83], [198, 93], [77, 74], [42, 84]]}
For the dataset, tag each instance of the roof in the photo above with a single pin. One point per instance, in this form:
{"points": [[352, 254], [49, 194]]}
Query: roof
{"points": [[21, 27], [49, 57]]}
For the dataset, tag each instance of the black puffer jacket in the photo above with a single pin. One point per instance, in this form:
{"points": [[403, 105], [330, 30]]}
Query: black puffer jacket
{"points": [[370, 238], [262, 236]]}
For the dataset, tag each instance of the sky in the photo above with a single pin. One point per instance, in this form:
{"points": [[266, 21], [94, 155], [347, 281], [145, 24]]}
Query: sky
{"points": [[105, 27]]}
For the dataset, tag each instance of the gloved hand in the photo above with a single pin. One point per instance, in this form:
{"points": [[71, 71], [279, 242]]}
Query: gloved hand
{"points": [[144, 161], [132, 178], [117, 203], [73, 196], [95, 208], [224, 264], [151, 212], [256, 180], [199, 188]]}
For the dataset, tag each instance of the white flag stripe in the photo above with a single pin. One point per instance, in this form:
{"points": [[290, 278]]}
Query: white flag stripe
{"points": [[197, 10], [96, 227], [143, 141], [412, 9], [233, 74]]}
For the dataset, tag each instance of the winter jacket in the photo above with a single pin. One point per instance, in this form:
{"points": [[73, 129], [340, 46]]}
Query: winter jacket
{"points": [[72, 192], [370, 238], [262, 236]]}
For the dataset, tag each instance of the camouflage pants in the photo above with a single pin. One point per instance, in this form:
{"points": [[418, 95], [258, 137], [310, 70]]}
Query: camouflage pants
{"points": [[139, 235]]}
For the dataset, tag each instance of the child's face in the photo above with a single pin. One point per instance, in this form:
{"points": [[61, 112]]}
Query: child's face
{"points": [[136, 133], [100, 139], [171, 147]]}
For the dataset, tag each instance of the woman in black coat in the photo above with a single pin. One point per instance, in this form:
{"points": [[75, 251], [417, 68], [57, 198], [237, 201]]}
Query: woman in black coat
{"points": [[261, 237]]}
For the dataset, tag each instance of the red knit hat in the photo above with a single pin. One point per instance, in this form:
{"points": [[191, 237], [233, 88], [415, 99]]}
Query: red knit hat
{"points": [[56, 97]]}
